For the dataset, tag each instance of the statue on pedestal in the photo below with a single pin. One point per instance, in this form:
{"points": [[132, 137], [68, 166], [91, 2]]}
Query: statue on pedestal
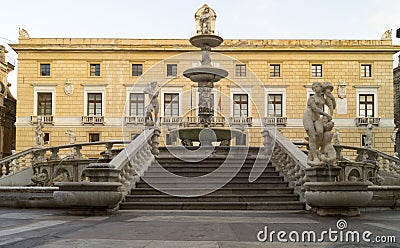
{"points": [[39, 135], [152, 91], [319, 129]]}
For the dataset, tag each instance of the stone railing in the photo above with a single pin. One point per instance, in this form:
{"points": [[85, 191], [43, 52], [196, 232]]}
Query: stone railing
{"points": [[275, 121], [41, 157], [93, 119], [46, 119], [365, 120], [194, 121], [130, 164], [363, 164], [170, 120], [134, 120], [287, 157], [245, 120]]}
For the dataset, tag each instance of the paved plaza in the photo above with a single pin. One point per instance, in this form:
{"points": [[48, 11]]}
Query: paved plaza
{"points": [[55, 229]]}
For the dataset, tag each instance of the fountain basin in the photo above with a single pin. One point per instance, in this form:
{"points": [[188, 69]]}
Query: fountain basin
{"points": [[203, 40], [206, 135], [205, 74]]}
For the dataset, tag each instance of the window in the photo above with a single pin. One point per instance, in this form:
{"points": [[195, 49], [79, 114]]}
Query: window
{"points": [[171, 104], [45, 70], [44, 105], [46, 138], [240, 70], [95, 70], [366, 71], [275, 105], [172, 70], [136, 104], [363, 139], [240, 105], [137, 70], [94, 104], [275, 70], [366, 105], [316, 70], [94, 137]]}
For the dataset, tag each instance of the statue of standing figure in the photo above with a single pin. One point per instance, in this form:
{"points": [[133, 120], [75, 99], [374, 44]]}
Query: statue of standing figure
{"points": [[368, 134], [152, 91], [39, 135], [319, 129], [205, 21]]}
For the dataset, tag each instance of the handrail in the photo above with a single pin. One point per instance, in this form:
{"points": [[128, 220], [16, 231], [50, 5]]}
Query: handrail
{"points": [[288, 158]]}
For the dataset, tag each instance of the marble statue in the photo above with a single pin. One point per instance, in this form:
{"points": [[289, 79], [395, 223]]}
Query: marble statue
{"points": [[336, 137], [205, 21], [319, 129], [152, 91], [23, 34], [39, 135], [387, 35], [72, 140], [368, 134]]}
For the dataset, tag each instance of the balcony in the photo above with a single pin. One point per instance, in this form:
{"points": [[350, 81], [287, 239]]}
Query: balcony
{"points": [[194, 121], [93, 120], [134, 120], [243, 120], [363, 121], [170, 120], [275, 121], [46, 119]]}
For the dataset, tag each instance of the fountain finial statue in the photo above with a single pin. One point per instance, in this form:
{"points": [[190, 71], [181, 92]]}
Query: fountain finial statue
{"points": [[152, 91], [319, 129]]}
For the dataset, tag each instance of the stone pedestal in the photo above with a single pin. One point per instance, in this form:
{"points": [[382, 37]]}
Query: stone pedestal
{"points": [[323, 174], [88, 198], [337, 198], [101, 172]]}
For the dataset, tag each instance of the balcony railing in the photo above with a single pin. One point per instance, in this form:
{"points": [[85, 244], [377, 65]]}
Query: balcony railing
{"points": [[241, 120], [190, 121], [93, 120], [172, 120], [134, 119], [366, 120], [46, 119], [275, 121]]}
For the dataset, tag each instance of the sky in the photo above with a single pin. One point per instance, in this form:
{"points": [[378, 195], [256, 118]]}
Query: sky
{"points": [[236, 19]]}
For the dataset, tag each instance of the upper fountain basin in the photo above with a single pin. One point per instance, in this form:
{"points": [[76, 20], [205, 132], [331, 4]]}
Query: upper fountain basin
{"points": [[203, 40], [205, 74]]}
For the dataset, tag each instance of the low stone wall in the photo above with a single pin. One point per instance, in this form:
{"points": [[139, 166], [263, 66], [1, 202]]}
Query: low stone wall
{"points": [[28, 197], [385, 197]]}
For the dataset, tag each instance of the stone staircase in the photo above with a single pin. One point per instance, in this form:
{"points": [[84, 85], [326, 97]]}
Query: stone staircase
{"points": [[269, 192]]}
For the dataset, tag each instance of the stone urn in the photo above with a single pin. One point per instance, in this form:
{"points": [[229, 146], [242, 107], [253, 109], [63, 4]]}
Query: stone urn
{"points": [[337, 198]]}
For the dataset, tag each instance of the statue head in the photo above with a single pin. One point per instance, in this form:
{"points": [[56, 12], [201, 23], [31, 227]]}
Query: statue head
{"points": [[153, 84], [316, 85], [328, 88]]}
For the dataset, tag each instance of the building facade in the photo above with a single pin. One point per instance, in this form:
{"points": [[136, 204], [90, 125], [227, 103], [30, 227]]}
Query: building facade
{"points": [[7, 108], [95, 87], [396, 85]]}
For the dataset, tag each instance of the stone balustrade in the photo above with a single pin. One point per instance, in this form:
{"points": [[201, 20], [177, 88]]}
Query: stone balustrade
{"points": [[288, 158]]}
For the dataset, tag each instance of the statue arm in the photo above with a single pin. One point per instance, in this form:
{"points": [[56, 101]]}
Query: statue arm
{"points": [[316, 109]]}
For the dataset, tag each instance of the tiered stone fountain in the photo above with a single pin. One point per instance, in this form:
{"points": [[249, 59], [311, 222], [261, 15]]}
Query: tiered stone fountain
{"points": [[205, 76]]}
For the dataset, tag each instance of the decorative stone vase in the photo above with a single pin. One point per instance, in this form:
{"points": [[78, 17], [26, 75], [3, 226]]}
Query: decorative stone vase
{"points": [[337, 198]]}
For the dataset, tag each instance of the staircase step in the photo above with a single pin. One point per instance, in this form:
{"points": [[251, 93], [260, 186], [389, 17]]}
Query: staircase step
{"points": [[211, 185], [204, 169], [213, 198], [199, 173], [194, 191], [286, 205], [211, 179]]}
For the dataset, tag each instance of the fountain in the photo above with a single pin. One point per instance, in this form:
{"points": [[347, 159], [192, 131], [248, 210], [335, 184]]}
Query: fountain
{"points": [[205, 76]]}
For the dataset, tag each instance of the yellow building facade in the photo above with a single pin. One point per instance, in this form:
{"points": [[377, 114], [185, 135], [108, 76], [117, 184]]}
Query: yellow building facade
{"points": [[94, 87]]}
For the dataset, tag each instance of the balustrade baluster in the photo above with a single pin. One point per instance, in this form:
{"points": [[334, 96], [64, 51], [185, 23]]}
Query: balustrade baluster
{"points": [[23, 162], [4, 169]]}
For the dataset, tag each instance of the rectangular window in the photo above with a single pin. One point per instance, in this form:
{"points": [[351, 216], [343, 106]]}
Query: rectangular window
{"points": [[44, 106], [136, 104], [275, 70], [366, 71], [275, 105], [171, 104], [366, 105], [94, 104], [172, 70], [95, 70], [45, 70], [240, 70], [46, 138], [94, 137], [240, 105], [137, 70], [316, 70]]}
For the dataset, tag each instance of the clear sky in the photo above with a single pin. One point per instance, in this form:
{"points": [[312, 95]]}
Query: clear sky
{"points": [[245, 19]]}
